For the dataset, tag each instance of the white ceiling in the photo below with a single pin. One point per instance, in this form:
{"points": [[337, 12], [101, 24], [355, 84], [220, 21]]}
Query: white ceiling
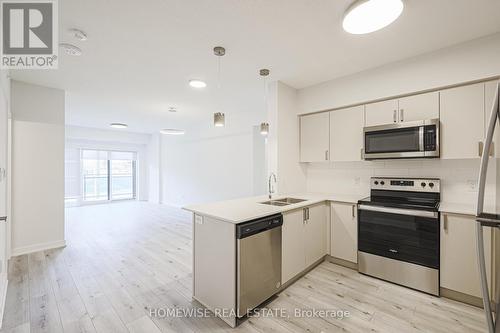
{"points": [[141, 54]]}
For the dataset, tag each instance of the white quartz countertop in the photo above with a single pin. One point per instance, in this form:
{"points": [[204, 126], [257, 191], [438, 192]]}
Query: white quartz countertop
{"points": [[464, 209], [246, 209]]}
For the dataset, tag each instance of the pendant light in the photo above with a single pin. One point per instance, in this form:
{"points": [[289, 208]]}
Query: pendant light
{"points": [[264, 127], [219, 117]]}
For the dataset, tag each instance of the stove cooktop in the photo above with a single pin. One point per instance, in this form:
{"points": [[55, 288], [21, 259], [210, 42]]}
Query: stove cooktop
{"points": [[404, 203]]}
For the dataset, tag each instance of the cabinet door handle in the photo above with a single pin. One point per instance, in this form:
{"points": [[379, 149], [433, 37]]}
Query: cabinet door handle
{"points": [[353, 211], [326, 155], [307, 214], [401, 115], [480, 147], [445, 223], [394, 116], [304, 216]]}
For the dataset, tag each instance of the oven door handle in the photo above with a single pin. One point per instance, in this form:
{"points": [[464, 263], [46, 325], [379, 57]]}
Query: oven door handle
{"points": [[410, 212]]}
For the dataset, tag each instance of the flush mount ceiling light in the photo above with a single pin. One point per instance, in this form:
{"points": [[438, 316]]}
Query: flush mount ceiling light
{"points": [[78, 34], [118, 125], [365, 16], [219, 119], [172, 131], [71, 49], [197, 84]]}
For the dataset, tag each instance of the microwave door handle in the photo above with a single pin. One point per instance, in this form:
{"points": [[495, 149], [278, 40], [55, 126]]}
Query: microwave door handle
{"points": [[421, 134]]}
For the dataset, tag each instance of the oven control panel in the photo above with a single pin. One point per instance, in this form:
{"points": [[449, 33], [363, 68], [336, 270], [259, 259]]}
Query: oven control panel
{"points": [[406, 184]]}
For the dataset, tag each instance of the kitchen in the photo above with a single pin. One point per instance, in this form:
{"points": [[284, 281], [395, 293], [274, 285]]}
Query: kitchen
{"points": [[253, 174], [433, 238]]}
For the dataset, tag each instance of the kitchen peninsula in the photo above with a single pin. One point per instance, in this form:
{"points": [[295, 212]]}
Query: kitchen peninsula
{"points": [[246, 250]]}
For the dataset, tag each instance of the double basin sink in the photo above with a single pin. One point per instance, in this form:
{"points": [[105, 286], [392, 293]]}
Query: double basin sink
{"points": [[282, 201]]}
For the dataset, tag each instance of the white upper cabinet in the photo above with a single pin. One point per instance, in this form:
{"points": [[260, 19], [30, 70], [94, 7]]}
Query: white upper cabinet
{"points": [[381, 113], [419, 107], [346, 134], [406, 109], [315, 137], [462, 121], [489, 95]]}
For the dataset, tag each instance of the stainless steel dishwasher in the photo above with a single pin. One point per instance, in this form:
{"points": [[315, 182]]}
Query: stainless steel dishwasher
{"points": [[258, 261]]}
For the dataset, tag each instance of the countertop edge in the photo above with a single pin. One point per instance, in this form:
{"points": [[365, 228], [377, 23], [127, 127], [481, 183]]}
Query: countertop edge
{"points": [[273, 209]]}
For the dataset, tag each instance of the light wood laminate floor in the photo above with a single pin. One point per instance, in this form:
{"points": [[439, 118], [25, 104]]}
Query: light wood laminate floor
{"points": [[124, 259]]}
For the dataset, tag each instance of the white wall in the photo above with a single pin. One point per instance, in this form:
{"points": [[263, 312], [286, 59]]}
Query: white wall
{"points": [[474, 60], [4, 230], [92, 138], [283, 150], [37, 167], [206, 169]]}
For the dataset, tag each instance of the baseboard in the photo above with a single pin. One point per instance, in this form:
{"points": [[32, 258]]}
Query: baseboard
{"points": [[464, 298], [3, 297], [38, 247], [342, 262]]}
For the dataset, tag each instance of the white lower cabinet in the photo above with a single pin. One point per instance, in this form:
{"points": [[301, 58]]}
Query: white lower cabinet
{"points": [[304, 239], [459, 267], [344, 231]]}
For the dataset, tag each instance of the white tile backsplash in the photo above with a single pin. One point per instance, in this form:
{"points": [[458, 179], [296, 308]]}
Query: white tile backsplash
{"points": [[458, 177]]}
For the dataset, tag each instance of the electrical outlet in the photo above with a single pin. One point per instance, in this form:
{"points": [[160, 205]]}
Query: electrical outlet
{"points": [[471, 185]]}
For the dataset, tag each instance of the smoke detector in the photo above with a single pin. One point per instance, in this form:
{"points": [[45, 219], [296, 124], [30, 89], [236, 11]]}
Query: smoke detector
{"points": [[172, 109], [70, 49], [78, 34]]}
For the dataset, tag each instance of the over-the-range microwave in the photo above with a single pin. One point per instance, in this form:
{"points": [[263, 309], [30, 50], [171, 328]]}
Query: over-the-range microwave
{"points": [[415, 139]]}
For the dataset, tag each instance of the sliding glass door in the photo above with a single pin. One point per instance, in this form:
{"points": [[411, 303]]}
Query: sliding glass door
{"points": [[122, 179], [108, 175]]}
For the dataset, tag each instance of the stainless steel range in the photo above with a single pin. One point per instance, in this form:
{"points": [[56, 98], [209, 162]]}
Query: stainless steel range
{"points": [[398, 232]]}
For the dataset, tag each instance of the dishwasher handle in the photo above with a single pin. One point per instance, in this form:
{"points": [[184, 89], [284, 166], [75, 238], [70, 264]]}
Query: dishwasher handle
{"points": [[251, 228]]}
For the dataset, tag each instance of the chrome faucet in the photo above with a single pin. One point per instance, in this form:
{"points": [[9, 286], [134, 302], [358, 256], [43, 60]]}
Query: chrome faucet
{"points": [[271, 188]]}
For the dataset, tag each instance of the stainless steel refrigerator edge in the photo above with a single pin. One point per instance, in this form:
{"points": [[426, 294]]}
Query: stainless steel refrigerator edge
{"points": [[488, 220]]}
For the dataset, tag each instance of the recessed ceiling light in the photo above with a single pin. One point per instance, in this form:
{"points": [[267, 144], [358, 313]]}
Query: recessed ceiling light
{"points": [[78, 34], [71, 49], [365, 16], [197, 84], [118, 125], [172, 131]]}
